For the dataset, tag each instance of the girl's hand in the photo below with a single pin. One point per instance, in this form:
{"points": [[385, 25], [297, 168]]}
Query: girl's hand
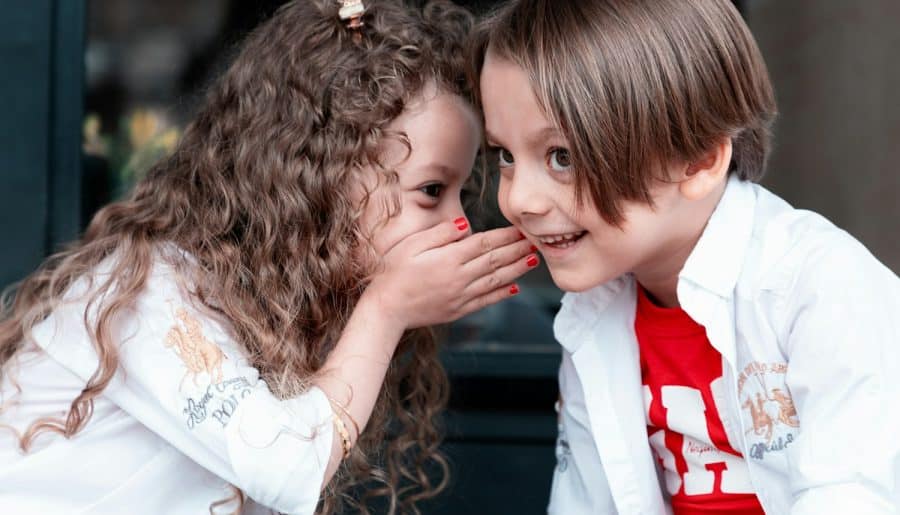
{"points": [[439, 275], [430, 277]]}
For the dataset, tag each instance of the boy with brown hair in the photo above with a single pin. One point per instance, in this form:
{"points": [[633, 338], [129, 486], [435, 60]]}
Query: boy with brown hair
{"points": [[723, 351]]}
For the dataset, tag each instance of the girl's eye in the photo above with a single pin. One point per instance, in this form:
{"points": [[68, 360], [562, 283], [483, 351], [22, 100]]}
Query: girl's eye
{"points": [[560, 160], [504, 157], [432, 190]]}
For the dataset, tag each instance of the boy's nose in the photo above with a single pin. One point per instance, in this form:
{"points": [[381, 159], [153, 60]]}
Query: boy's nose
{"points": [[525, 194]]}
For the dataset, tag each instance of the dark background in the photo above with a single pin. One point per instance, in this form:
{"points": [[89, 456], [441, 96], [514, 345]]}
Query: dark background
{"points": [[836, 73]]}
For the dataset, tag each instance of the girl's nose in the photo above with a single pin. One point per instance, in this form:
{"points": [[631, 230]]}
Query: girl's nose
{"points": [[453, 210]]}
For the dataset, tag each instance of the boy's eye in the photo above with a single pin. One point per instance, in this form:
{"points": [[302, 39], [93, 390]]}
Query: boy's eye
{"points": [[504, 157], [432, 190], [560, 160]]}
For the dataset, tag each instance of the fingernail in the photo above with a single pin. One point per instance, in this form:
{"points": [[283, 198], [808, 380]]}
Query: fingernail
{"points": [[521, 236], [513, 290], [461, 223], [533, 248], [532, 261]]}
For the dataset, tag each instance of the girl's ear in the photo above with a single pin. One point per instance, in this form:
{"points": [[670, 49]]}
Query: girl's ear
{"points": [[704, 175]]}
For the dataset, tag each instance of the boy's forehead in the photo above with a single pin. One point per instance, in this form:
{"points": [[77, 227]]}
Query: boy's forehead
{"points": [[510, 103], [496, 63]]}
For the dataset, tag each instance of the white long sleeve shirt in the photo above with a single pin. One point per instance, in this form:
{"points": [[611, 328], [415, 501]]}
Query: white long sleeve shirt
{"points": [[184, 417], [808, 325]]}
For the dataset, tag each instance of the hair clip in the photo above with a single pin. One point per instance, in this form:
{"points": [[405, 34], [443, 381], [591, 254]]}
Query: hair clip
{"points": [[352, 10]]}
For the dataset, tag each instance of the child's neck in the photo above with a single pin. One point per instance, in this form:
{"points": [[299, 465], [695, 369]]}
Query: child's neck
{"points": [[659, 276], [661, 282]]}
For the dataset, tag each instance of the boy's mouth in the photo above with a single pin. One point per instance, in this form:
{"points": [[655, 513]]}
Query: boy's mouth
{"points": [[561, 241]]}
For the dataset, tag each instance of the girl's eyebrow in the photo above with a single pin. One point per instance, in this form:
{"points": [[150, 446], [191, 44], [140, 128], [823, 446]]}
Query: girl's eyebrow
{"points": [[444, 170]]}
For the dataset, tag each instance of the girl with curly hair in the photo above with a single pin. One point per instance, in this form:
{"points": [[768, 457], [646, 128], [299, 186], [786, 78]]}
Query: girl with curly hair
{"points": [[248, 329]]}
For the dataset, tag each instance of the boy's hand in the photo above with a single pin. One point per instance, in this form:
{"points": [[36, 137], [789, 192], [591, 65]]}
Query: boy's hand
{"points": [[439, 275]]}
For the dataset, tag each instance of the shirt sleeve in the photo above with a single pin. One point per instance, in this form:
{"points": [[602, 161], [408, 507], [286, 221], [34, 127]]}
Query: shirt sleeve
{"points": [[184, 378], [844, 371], [579, 480]]}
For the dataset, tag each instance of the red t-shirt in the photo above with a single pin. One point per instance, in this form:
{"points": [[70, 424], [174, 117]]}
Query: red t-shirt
{"points": [[680, 369]]}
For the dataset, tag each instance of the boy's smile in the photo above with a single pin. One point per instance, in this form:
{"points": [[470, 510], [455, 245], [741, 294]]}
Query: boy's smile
{"points": [[561, 241]]}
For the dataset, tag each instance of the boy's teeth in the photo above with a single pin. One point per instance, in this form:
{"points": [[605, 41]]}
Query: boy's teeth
{"points": [[560, 238]]}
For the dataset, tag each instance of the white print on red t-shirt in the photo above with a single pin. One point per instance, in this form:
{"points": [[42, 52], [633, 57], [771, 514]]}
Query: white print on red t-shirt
{"points": [[709, 469]]}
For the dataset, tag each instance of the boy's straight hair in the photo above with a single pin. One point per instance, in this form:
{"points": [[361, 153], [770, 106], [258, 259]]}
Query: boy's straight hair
{"points": [[637, 85]]}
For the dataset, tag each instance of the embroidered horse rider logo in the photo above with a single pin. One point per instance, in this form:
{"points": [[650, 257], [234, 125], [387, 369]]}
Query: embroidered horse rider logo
{"points": [[770, 407], [762, 422], [198, 353], [787, 413]]}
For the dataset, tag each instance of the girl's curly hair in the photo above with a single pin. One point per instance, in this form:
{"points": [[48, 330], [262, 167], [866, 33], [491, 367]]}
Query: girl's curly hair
{"points": [[260, 193]]}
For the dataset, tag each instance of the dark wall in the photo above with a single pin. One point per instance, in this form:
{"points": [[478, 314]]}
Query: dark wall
{"points": [[41, 50], [836, 70]]}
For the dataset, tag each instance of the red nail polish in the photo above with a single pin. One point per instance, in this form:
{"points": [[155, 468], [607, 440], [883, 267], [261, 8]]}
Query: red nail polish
{"points": [[513, 290], [461, 223], [533, 248], [532, 261], [521, 236]]}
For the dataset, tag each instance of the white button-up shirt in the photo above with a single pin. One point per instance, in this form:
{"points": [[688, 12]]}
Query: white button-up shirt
{"points": [[184, 417], [808, 325]]}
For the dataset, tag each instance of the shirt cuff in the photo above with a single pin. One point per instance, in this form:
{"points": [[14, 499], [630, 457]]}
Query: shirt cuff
{"points": [[280, 450]]}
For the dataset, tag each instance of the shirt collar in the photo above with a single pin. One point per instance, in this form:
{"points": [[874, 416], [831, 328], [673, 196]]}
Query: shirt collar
{"points": [[718, 258], [580, 312]]}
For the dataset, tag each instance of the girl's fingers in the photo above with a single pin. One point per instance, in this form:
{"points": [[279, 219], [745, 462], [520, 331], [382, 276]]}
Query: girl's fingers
{"points": [[502, 276], [485, 242], [492, 297], [441, 234], [500, 257]]}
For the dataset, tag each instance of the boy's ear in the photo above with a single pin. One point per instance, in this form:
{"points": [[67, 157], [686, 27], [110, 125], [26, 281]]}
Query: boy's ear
{"points": [[704, 175]]}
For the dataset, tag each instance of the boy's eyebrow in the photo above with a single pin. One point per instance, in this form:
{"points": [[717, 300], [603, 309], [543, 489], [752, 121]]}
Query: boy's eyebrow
{"points": [[489, 137], [537, 137], [544, 134]]}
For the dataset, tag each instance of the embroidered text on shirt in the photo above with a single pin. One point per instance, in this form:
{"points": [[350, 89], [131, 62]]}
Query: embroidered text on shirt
{"points": [[218, 401]]}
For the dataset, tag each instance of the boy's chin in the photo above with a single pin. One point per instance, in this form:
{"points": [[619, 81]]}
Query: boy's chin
{"points": [[572, 281]]}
